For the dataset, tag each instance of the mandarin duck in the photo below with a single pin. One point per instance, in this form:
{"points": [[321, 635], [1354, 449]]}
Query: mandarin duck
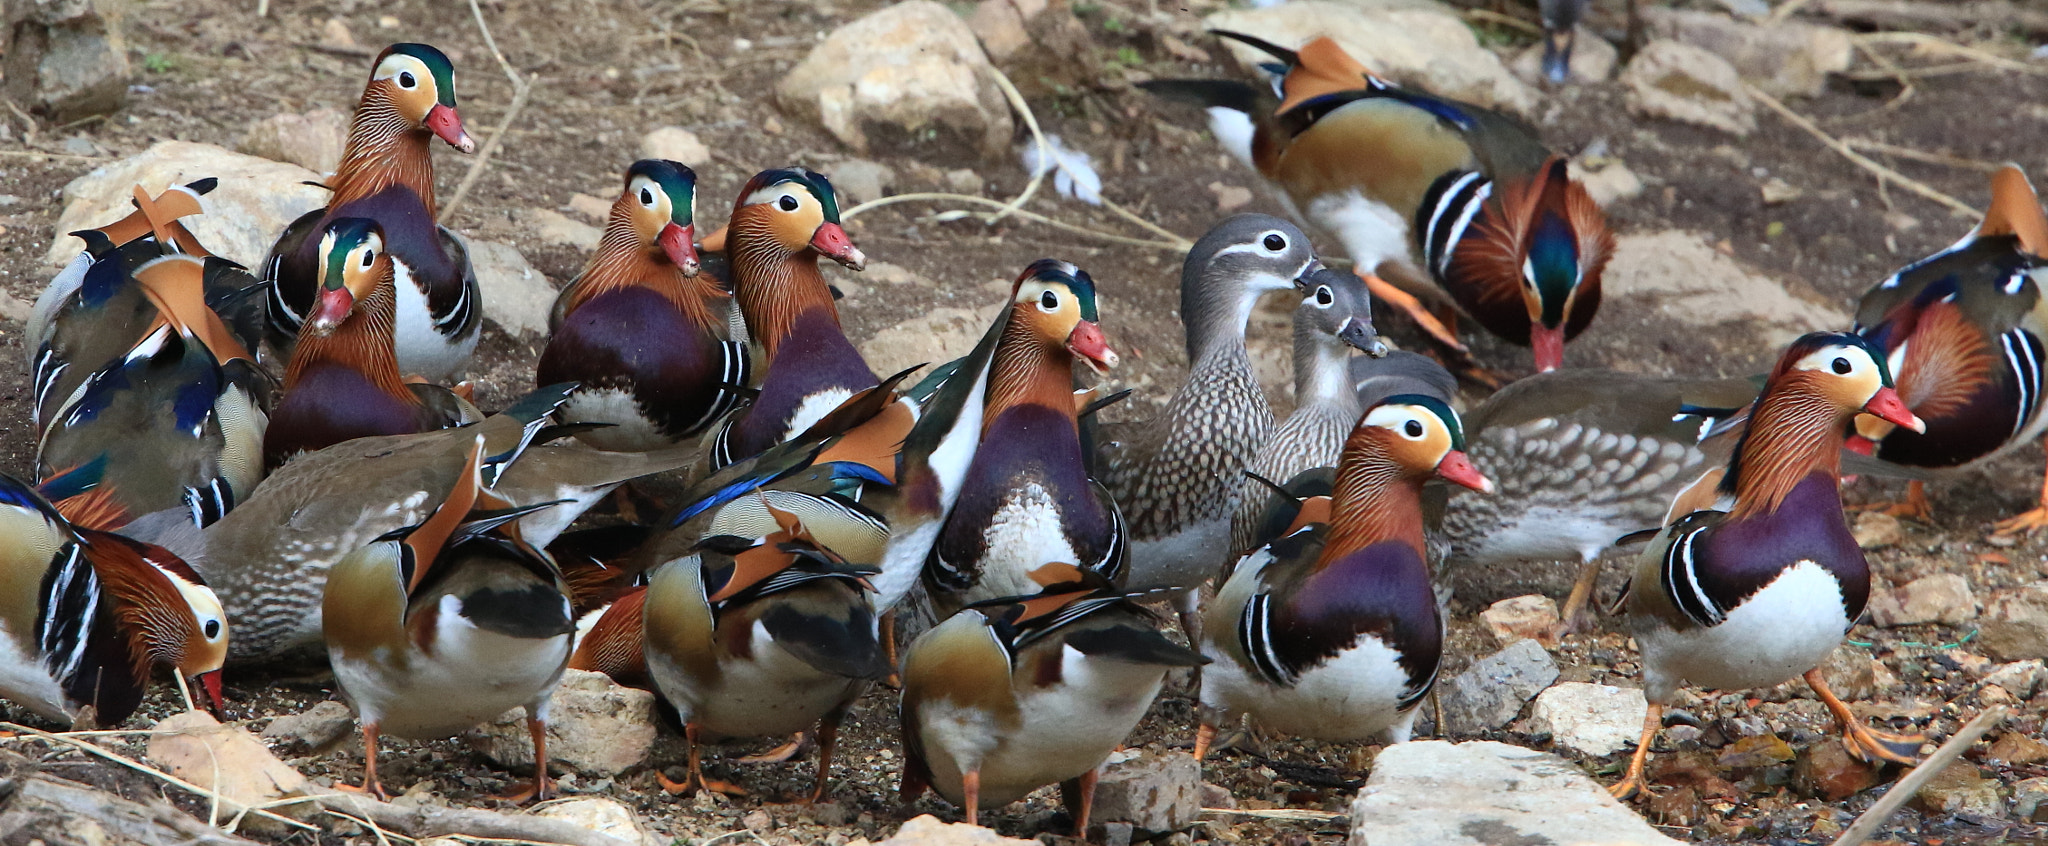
{"points": [[1178, 477], [1013, 694], [175, 422], [1334, 318], [1763, 592], [784, 220], [440, 626], [1027, 500], [1468, 193], [87, 615], [643, 331], [1332, 630], [386, 175], [343, 380], [1962, 331], [751, 637], [94, 311]]}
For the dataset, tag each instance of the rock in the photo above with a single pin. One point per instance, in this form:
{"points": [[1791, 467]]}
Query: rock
{"points": [[1491, 692], [935, 337], [230, 761], [926, 830], [516, 297], [906, 78], [1669, 79], [2030, 799], [313, 140], [553, 227], [335, 33], [254, 201], [961, 180], [1230, 197], [1695, 286], [15, 308], [1000, 24], [675, 144], [1593, 60], [594, 208], [1785, 59], [1877, 530], [1850, 672], [2016, 748], [2014, 626], [1450, 794], [1827, 770], [1414, 42], [1594, 720], [65, 59], [2020, 678], [1962, 788], [1755, 752], [1610, 183], [860, 180], [596, 728], [1776, 191], [1941, 598], [315, 728], [1155, 791], [596, 813], [1512, 619]]}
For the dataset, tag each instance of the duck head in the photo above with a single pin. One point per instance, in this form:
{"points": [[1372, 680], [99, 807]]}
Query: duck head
{"points": [[1336, 306], [176, 618], [657, 210], [1563, 251], [1232, 265], [796, 209], [1055, 301], [353, 265], [418, 82], [1847, 371], [1421, 436]]}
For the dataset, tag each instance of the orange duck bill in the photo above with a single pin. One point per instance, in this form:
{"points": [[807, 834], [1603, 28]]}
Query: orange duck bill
{"points": [[831, 241], [1887, 406], [1458, 470], [447, 126], [1087, 342], [676, 243]]}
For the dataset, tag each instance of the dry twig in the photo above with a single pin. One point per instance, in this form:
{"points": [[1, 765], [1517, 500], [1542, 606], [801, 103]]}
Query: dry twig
{"points": [[1883, 173], [145, 769], [521, 87], [1882, 810]]}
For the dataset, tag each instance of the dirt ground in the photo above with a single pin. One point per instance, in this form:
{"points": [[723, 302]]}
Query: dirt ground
{"points": [[612, 69]]}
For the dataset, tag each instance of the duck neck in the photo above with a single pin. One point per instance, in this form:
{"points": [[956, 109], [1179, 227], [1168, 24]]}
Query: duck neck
{"points": [[1027, 371], [384, 149], [624, 260], [364, 342], [1322, 370], [1375, 499], [774, 285], [1215, 312], [1794, 432]]}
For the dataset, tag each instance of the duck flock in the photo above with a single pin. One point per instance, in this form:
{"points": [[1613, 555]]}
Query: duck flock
{"points": [[239, 468]]}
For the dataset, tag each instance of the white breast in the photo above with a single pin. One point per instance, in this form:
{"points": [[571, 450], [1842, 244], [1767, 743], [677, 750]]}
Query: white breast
{"points": [[1371, 231], [1782, 631]]}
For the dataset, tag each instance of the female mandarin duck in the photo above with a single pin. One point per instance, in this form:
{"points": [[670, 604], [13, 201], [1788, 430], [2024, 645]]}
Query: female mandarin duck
{"points": [[1178, 478], [784, 220], [438, 627], [759, 636], [1762, 593], [1332, 631], [1468, 193], [1027, 500], [1334, 318], [1963, 331], [387, 175], [175, 422], [1013, 694], [643, 331], [343, 380], [85, 615]]}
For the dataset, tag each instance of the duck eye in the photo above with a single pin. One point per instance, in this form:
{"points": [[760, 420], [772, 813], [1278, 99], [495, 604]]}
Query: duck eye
{"points": [[1413, 429], [647, 198], [406, 80], [1274, 242], [1049, 301], [787, 203], [1323, 296], [369, 256], [212, 629], [1842, 366]]}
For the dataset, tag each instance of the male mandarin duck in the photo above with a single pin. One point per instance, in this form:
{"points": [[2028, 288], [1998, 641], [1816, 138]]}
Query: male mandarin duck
{"points": [[386, 175], [1013, 694], [1761, 593], [1962, 331], [760, 636], [175, 422], [1332, 631], [784, 220], [1404, 178], [86, 615], [1178, 478], [440, 626], [1334, 318], [1027, 500], [641, 329], [343, 380]]}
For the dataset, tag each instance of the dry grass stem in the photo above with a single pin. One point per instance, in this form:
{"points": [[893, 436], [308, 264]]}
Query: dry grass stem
{"points": [[145, 769], [1884, 174], [1895, 798]]}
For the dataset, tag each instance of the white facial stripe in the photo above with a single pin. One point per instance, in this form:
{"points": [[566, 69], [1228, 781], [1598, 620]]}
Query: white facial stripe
{"points": [[771, 193]]}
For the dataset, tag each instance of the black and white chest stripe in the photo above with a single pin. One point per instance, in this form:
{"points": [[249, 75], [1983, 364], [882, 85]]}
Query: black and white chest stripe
{"points": [[2024, 357], [69, 603], [1681, 581], [1447, 211]]}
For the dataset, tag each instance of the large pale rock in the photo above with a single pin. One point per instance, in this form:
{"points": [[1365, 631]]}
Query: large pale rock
{"points": [[1674, 80], [316, 728], [907, 77], [553, 227], [935, 337], [1699, 288], [1493, 690], [1591, 719], [926, 830], [230, 761], [1156, 792], [1785, 59], [516, 297], [2015, 624], [596, 728], [1413, 42], [254, 201], [64, 59], [1517, 617], [604, 816], [313, 140], [675, 144], [1484, 793], [1941, 598]]}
